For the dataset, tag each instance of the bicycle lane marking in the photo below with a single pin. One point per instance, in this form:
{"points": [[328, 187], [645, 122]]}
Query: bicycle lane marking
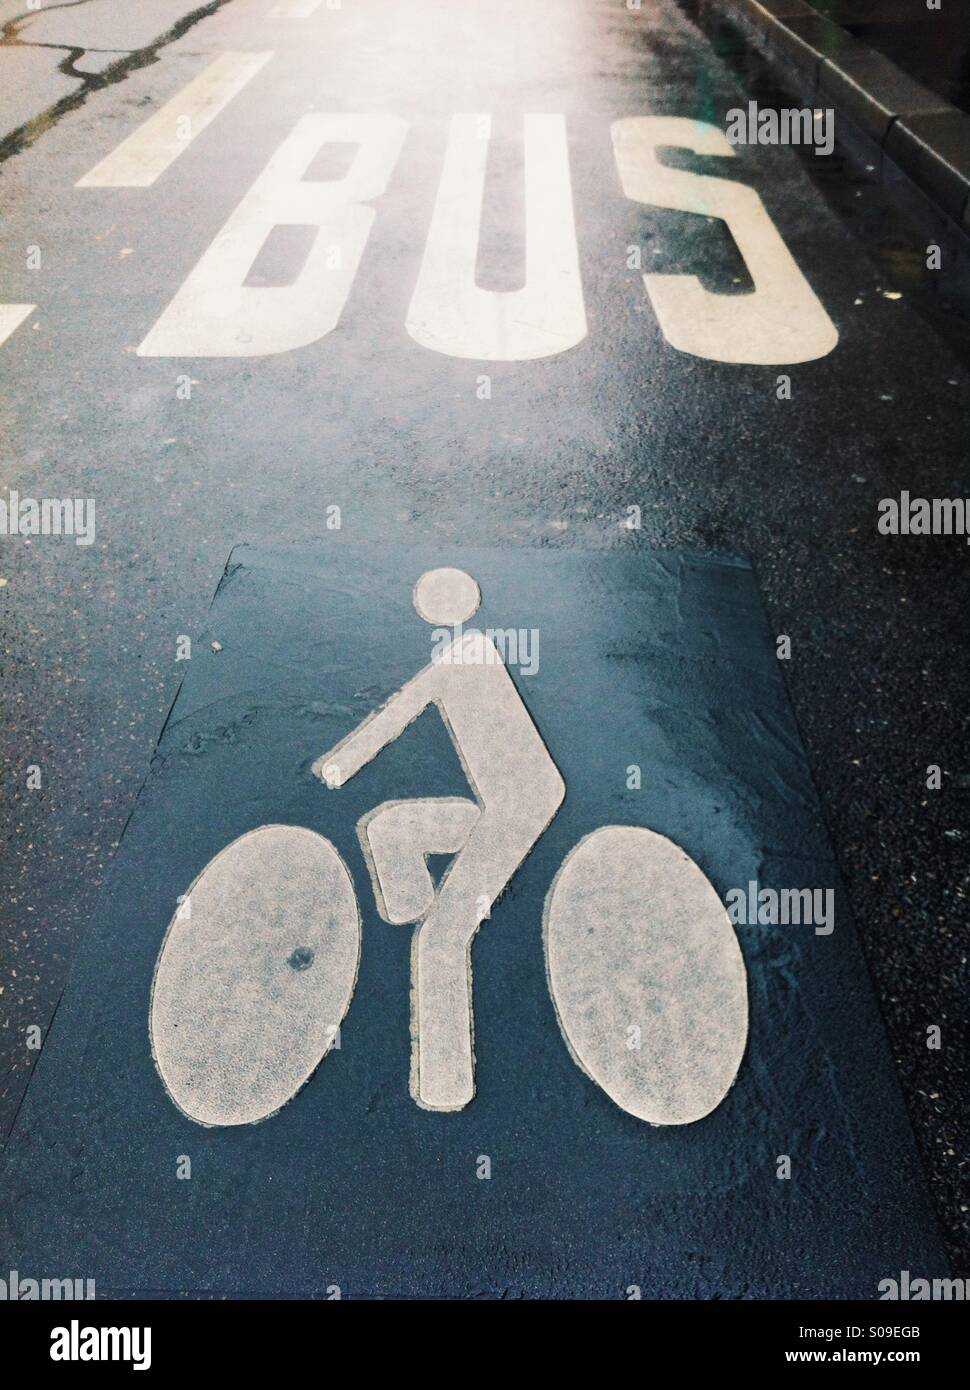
{"points": [[659, 662]]}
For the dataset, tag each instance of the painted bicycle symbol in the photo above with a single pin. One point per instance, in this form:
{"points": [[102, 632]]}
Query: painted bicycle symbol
{"points": [[254, 980]]}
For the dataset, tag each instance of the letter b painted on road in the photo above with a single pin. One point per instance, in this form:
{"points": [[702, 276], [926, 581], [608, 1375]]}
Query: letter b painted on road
{"points": [[215, 314]]}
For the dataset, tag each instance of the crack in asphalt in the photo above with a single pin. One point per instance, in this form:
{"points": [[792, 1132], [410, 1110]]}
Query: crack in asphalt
{"points": [[131, 60]]}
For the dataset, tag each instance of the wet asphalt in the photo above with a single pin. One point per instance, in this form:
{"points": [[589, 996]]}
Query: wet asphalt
{"points": [[398, 438]]}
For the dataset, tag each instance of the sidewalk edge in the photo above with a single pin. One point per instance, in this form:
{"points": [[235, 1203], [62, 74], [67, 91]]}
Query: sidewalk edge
{"points": [[922, 133]]}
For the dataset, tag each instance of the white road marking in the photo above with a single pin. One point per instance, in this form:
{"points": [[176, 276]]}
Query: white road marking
{"points": [[646, 975], [255, 975], [519, 790], [397, 837], [12, 316], [782, 321], [448, 312], [446, 597], [147, 152], [215, 314], [294, 9], [259, 963]]}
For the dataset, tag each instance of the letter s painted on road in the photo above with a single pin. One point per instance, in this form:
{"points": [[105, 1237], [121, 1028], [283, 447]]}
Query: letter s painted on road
{"points": [[782, 322]]}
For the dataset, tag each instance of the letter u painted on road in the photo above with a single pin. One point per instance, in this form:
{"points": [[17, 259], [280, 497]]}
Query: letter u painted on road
{"points": [[449, 311]]}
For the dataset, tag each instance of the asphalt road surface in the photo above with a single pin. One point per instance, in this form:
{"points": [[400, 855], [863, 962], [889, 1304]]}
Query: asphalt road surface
{"points": [[196, 425]]}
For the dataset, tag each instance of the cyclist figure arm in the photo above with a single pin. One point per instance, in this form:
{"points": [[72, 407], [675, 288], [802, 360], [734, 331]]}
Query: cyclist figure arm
{"points": [[347, 758]]}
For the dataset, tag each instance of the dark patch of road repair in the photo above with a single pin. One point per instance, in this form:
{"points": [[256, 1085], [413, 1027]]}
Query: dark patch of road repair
{"points": [[351, 1185]]}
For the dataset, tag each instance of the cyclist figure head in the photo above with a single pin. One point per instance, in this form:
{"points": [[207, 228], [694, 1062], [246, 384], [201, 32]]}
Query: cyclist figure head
{"points": [[446, 597]]}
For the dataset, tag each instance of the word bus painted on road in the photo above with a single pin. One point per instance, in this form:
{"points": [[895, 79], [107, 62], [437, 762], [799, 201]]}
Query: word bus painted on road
{"points": [[216, 313]]}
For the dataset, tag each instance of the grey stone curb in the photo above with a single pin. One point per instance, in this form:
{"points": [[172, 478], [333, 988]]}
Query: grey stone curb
{"points": [[927, 137]]}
